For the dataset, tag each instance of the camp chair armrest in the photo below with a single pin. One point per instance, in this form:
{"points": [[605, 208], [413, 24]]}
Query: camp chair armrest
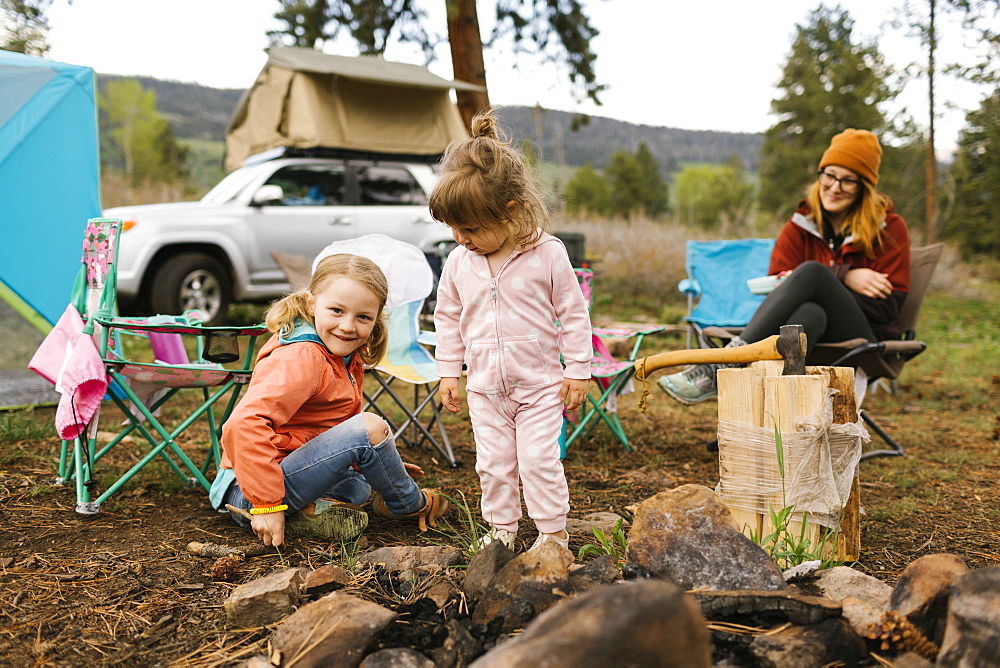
{"points": [[901, 347], [690, 287], [717, 332], [177, 328], [849, 344]]}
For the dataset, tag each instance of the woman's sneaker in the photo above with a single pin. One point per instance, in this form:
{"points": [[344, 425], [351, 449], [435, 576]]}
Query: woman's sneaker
{"points": [[692, 386], [435, 505], [502, 535], [329, 518]]}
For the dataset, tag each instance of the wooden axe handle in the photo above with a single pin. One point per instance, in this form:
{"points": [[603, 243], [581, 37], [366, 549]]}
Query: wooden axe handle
{"points": [[766, 349]]}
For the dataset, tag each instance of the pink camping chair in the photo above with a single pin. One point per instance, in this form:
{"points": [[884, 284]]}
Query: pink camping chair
{"points": [[611, 377]]}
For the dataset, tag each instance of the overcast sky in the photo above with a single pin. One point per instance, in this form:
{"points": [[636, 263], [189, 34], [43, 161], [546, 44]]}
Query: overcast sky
{"points": [[693, 65]]}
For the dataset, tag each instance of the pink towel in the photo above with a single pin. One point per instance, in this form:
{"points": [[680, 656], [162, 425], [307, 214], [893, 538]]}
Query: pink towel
{"points": [[84, 382], [54, 351]]}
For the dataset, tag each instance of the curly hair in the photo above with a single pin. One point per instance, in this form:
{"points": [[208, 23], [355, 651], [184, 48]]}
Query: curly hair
{"points": [[486, 182], [281, 315]]}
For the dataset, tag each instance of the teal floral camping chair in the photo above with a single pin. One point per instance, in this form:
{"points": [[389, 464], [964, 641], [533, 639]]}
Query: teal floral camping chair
{"points": [[140, 365]]}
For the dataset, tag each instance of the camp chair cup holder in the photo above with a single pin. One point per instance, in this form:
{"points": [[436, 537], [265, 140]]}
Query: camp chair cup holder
{"points": [[221, 347]]}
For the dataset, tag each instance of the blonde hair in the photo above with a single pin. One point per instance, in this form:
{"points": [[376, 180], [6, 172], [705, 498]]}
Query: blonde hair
{"points": [[281, 315], [484, 182], [863, 219]]}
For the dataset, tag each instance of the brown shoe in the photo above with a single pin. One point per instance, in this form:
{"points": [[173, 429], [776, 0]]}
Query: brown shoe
{"points": [[435, 505]]}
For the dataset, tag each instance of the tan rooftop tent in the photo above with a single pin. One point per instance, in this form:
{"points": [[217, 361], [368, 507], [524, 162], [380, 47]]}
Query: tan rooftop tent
{"points": [[308, 99]]}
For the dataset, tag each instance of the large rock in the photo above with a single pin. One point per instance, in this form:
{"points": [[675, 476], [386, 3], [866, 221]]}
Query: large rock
{"points": [[325, 579], [483, 567], [921, 594], [830, 642], [265, 600], [862, 616], [688, 536], [842, 581], [595, 573], [649, 623], [414, 560], [972, 636], [529, 584], [336, 630]]}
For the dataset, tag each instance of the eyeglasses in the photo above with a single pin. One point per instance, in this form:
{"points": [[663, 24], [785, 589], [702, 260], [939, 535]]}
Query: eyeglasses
{"points": [[847, 185]]}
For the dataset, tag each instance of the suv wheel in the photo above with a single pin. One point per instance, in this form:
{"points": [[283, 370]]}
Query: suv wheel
{"points": [[192, 281]]}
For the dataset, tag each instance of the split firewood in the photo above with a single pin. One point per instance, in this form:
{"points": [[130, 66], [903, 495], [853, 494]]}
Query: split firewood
{"points": [[215, 550]]}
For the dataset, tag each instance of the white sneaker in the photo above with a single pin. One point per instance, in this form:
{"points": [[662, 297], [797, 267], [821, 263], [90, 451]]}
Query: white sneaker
{"points": [[561, 541], [502, 535]]}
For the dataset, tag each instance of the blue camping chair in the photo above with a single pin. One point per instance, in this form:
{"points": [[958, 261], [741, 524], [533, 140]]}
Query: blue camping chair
{"points": [[716, 286]]}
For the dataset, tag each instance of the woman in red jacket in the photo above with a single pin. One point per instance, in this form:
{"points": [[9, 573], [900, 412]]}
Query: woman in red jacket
{"points": [[845, 271]]}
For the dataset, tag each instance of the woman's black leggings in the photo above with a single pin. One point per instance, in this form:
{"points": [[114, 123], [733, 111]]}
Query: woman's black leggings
{"points": [[812, 297]]}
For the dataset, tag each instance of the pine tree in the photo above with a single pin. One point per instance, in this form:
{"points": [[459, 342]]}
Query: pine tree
{"points": [[829, 83], [653, 189], [976, 170], [588, 192], [624, 175]]}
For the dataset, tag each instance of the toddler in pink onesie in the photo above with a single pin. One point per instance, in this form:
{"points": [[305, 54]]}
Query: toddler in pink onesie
{"points": [[501, 293]]}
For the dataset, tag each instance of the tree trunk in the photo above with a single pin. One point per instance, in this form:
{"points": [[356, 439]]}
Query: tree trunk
{"points": [[467, 56], [931, 161]]}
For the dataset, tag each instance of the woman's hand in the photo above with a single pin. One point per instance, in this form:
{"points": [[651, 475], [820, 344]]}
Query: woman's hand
{"points": [[869, 283], [448, 392], [573, 392], [269, 527]]}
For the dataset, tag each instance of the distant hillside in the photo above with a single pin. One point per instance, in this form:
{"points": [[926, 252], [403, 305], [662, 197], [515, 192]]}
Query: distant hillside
{"points": [[199, 112], [601, 137], [193, 111]]}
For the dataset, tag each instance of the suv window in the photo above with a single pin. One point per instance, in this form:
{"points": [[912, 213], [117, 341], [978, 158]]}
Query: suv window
{"points": [[310, 185], [388, 186]]}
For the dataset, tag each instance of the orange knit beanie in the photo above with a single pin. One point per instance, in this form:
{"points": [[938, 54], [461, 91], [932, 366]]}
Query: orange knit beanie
{"points": [[856, 150]]}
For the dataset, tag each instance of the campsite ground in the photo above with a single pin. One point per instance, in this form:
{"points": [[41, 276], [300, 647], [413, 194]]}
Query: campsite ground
{"points": [[120, 588]]}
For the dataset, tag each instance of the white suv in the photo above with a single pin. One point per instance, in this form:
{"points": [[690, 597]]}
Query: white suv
{"points": [[211, 253]]}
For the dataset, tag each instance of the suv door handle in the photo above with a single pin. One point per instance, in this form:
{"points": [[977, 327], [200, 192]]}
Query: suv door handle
{"points": [[341, 220]]}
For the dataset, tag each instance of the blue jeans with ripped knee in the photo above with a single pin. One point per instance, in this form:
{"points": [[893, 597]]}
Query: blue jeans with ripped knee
{"points": [[321, 468]]}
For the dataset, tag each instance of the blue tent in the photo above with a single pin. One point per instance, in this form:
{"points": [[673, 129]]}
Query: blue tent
{"points": [[49, 181]]}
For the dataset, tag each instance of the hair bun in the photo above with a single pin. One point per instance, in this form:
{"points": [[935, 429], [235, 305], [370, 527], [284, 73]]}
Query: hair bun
{"points": [[484, 124]]}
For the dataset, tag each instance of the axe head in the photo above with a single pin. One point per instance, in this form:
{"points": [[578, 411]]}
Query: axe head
{"points": [[791, 346]]}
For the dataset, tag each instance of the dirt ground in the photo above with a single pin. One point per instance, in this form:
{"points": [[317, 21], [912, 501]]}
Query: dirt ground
{"points": [[119, 587]]}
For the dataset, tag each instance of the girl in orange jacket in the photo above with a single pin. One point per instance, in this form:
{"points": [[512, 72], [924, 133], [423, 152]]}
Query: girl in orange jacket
{"points": [[298, 440]]}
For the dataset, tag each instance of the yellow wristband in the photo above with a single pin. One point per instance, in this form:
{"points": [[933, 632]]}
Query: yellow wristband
{"points": [[270, 509]]}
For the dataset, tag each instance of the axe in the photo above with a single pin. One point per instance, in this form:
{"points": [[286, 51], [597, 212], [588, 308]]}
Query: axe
{"points": [[789, 345]]}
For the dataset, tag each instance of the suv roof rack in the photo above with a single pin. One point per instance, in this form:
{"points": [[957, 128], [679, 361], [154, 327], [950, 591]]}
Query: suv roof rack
{"points": [[341, 153]]}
